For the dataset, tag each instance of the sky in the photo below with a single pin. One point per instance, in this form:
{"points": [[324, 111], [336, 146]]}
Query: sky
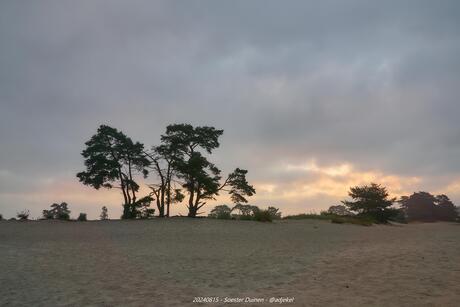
{"points": [[313, 96]]}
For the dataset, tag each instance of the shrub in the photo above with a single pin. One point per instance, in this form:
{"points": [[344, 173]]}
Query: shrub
{"points": [[222, 212], [57, 211], [400, 217], [23, 215], [263, 216], [82, 217], [48, 215], [244, 212], [142, 208], [338, 210], [104, 215], [1, 217], [371, 201], [274, 213]]}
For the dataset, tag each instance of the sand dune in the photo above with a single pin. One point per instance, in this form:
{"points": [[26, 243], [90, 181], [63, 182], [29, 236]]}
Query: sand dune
{"points": [[170, 262]]}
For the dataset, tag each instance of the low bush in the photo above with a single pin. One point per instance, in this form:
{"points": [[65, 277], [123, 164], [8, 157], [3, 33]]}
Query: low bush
{"points": [[399, 217], [57, 211], [274, 213], [23, 215], [82, 217], [222, 212], [245, 213], [104, 215], [263, 216]]}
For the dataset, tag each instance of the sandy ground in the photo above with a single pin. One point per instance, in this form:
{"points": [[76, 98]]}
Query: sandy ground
{"points": [[170, 262]]}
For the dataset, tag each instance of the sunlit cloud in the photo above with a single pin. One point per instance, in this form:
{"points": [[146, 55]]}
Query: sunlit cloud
{"points": [[329, 181]]}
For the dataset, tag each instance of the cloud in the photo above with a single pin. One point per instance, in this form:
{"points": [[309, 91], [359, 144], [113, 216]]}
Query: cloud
{"points": [[373, 85]]}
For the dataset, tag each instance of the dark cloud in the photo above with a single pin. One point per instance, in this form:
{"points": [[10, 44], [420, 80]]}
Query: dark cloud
{"points": [[371, 84]]}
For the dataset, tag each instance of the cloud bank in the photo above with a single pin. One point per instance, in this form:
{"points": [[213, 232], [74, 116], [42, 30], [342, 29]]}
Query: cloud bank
{"points": [[313, 97]]}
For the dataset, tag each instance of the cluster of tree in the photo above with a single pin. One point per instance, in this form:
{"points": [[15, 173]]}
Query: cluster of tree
{"points": [[422, 206], [373, 201], [57, 212], [245, 212], [61, 212], [180, 165]]}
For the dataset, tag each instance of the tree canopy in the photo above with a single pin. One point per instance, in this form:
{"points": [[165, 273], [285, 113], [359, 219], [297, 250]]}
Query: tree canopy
{"points": [[188, 146], [180, 163], [372, 201], [112, 157], [425, 207]]}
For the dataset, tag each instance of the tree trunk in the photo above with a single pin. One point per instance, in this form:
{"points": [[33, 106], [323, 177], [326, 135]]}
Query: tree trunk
{"points": [[192, 211]]}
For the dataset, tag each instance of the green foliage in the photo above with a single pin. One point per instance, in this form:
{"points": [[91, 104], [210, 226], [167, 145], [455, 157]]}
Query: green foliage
{"points": [[424, 207], [82, 217], [339, 210], [113, 160], [400, 217], [104, 214], [141, 208], [253, 213], [445, 208], [221, 212], [111, 156], [165, 191], [239, 186], [275, 214], [23, 215], [201, 178], [57, 211], [244, 212], [371, 201], [262, 216]]}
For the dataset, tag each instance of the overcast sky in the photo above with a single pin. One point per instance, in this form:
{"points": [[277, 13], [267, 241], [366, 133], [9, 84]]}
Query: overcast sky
{"points": [[313, 96]]}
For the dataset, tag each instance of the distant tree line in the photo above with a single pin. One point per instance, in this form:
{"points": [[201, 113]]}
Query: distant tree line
{"points": [[424, 207], [373, 201], [245, 212], [180, 166]]}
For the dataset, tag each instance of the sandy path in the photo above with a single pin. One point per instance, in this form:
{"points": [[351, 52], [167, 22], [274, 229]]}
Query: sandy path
{"points": [[169, 262]]}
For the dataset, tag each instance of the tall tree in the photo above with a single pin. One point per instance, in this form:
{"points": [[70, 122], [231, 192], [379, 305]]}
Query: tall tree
{"points": [[372, 201], [420, 206], [201, 178], [425, 207], [112, 159], [57, 211], [446, 210], [165, 192]]}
